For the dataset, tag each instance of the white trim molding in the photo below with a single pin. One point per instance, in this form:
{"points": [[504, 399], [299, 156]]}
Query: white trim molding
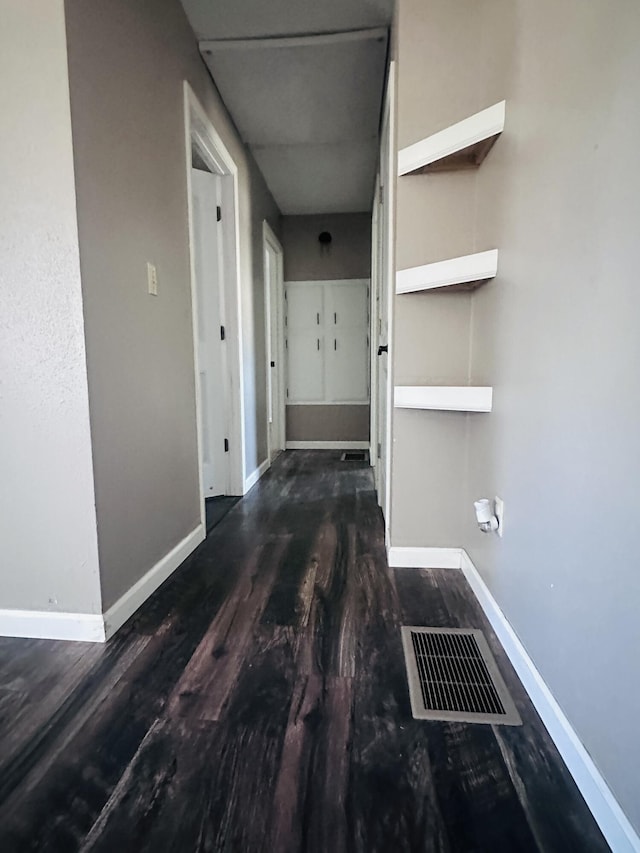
{"points": [[134, 597], [47, 625], [98, 627], [482, 126], [199, 131], [465, 270], [616, 828], [613, 823], [274, 333], [401, 557], [253, 478], [328, 445]]}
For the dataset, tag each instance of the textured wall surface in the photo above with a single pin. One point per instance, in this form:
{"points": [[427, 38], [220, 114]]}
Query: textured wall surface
{"points": [[47, 513], [555, 333], [127, 62]]}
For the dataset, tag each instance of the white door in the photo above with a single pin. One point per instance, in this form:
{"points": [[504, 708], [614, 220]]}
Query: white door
{"points": [[374, 326], [384, 298], [382, 349], [305, 343], [274, 316], [347, 342], [209, 265]]}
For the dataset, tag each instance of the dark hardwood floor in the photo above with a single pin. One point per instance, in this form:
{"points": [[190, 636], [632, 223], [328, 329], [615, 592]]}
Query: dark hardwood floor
{"points": [[258, 702], [216, 508]]}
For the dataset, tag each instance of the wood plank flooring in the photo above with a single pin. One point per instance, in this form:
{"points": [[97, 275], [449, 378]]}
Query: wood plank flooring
{"points": [[258, 702]]}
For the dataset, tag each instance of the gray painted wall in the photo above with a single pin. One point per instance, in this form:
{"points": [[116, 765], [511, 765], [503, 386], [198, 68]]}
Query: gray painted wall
{"points": [[556, 334], [327, 423], [349, 256], [127, 63], [431, 347], [47, 514]]}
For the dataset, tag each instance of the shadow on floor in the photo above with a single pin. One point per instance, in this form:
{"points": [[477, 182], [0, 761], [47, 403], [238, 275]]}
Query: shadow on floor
{"points": [[217, 508]]}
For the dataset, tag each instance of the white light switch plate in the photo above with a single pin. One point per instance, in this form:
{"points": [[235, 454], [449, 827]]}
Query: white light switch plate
{"points": [[152, 279]]}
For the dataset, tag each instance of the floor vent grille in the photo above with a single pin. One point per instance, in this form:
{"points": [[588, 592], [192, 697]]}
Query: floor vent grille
{"points": [[454, 677], [354, 456]]}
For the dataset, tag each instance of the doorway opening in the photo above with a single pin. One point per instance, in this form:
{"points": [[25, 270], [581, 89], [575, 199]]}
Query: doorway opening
{"points": [[383, 265], [212, 181], [274, 338]]}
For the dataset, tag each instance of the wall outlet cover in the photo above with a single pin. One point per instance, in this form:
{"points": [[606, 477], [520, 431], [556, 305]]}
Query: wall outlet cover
{"points": [[498, 510]]}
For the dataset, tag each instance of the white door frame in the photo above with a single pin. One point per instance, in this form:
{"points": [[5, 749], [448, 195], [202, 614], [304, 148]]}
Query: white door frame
{"points": [[206, 187], [199, 131], [376, 272], [274, 321], [387, 177]]}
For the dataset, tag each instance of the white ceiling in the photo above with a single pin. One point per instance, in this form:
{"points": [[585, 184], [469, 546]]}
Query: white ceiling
{"points": [[232, 19], [307, 105]]}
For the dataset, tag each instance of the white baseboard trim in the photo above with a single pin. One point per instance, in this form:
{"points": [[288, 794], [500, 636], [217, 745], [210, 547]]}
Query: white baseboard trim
{"points": [[127, 604], [616, 828], [98, 627], [46, 625], [328, 445], [424, 558], [253, 478]]}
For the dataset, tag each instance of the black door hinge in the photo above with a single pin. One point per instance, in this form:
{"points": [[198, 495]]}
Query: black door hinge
{"points": [[226, 445], [218, 213], [223, 334], [379, 450]]}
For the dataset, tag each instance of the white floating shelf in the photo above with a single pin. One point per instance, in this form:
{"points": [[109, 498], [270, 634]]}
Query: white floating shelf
{"points": [[463, 398], [464, 273], [462, 146]]}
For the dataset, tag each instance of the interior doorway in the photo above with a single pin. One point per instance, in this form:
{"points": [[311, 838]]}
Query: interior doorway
{"points": [[212, 186], [274, 338], [208, 250], [382, 305]]}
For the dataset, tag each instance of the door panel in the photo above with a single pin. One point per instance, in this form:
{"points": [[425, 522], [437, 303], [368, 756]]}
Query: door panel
{"points": [[305, 360], [385, 294], [208, 257], [328, 342], [274, 332], [347, 305], [304, 335], [347, 366], [304, 307]]}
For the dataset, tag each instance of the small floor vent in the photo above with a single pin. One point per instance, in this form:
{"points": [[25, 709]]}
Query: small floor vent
{"points": [[454, 677], [354, 456]]}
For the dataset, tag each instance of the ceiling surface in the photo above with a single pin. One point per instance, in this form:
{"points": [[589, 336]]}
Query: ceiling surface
{"points": [[303, 82], [234, 19]]}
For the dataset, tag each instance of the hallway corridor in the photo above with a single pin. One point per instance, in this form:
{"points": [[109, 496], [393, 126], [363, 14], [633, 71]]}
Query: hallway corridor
{"points": [[258, 702]]}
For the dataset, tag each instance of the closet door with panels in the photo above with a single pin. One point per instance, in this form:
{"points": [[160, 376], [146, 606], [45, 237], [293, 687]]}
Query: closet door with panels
{"points": [[327, 342], [304, 336], [347, 342]]}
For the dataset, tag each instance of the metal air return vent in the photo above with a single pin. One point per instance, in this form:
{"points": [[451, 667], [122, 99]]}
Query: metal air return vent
{"points": [[354, 456], [453, 677]]}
